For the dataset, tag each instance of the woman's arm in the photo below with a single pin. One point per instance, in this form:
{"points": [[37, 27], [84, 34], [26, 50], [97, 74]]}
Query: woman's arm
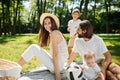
{"points": [[55, 37]]}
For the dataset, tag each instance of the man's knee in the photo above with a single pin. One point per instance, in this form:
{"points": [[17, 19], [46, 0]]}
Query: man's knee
{"points": [[114, 68], [111, 76]]}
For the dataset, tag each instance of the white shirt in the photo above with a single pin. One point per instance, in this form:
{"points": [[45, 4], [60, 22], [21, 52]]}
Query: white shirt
{"points": [[62, 52], [91, 73], [95, 44], [73, 25]]}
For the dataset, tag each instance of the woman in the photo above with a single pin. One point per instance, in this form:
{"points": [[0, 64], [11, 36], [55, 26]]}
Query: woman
{"points": [[49, 34]]}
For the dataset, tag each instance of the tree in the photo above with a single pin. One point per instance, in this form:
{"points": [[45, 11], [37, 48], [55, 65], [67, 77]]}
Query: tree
{"points": [[107, 20], [0, 28], [86, 9], [81, 4], [14, 18]]}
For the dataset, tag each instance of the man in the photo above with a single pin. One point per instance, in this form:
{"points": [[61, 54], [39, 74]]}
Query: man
{"points": [[87, 41]]}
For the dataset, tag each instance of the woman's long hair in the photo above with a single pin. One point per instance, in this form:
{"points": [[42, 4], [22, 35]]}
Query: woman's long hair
{"points": [[43, 35]]}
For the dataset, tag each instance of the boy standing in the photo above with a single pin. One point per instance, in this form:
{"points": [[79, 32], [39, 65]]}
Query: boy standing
{"points": [[72, 28]]}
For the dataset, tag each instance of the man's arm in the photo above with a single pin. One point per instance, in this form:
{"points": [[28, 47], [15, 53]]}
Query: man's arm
{"points": [[68, 29], [72, 57], [108, 59], [101, 76]]}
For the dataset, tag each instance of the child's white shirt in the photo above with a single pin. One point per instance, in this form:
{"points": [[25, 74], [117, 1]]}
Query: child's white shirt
{"points": [[91, 73], [73, 25]]}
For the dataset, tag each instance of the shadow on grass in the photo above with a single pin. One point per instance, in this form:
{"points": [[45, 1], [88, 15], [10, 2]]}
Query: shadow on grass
{"points": [[109, 36], [113, 40], [29, 41], [5, 39], [114, 50]]}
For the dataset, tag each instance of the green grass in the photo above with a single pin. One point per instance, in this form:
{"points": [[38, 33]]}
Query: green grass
{"points": [[113, 43], [11, 47]]}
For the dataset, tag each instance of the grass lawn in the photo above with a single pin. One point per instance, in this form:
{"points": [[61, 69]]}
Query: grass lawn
{"points": [[11, 47]]}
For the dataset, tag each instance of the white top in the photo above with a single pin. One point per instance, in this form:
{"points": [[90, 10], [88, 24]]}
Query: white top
{"points": [[95, 44], [73, 25], [91, 73], [62, 53]]}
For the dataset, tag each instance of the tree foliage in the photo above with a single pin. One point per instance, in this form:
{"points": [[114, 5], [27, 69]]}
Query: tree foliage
{"points": [[16, 18]]}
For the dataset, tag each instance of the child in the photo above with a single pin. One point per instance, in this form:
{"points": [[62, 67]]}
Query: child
{"points": [[72, 28], [91, 70]]}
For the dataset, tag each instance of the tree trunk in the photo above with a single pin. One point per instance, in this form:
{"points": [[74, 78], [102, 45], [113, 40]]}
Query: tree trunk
{"points": [[107, 22], [0, 28], [8, 20], [86, 9], [81, 4], [15, 18], [19, 22], [39, 6], [44, 5], [94, 7], [3, 18]]}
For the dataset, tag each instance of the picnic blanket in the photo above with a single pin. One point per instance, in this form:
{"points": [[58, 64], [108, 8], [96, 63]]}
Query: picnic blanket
{"points": [[11, 71], [41, 73]]}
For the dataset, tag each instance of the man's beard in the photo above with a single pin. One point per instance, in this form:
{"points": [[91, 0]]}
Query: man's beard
{"points": [[80, 35]]}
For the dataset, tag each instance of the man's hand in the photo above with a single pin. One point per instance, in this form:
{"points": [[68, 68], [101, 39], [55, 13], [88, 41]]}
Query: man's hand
{"points": [[104, 72]]}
